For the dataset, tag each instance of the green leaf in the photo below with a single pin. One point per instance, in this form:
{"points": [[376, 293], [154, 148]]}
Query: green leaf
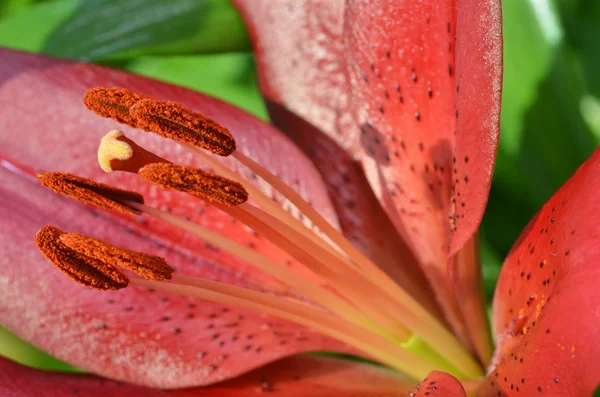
{"points": [[10, 6], [531, 37], [109, 29], [582, 21], [229, 77], [590, 111], [28, 28], [490, 268]]}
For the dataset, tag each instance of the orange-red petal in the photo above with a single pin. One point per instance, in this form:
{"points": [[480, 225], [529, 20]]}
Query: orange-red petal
{"points": [[546, 317]]}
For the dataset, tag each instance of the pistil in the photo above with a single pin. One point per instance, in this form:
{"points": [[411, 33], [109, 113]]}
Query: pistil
{"points": [[119, 153]]}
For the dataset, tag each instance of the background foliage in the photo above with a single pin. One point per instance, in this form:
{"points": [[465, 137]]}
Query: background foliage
{"points": [[550, 110]]}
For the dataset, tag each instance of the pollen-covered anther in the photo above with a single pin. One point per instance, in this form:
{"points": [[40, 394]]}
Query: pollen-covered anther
{"points": [[148, 266], [119, 153], [210, 187], [90, 192], [80, 268], [173, 121], [113, 103]]}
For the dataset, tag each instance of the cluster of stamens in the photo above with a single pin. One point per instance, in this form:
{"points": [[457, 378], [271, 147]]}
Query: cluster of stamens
{"points": [[356, 303]]}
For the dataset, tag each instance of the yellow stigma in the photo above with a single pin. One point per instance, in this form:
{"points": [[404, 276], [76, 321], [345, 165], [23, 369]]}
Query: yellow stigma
{"points": [[112, 148]]}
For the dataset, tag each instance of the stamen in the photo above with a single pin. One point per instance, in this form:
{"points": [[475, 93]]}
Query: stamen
{"points": [[173, 121], [79, 268], [202, 184], [119, 153], [148, 266], [113, 103], [90, 192]]}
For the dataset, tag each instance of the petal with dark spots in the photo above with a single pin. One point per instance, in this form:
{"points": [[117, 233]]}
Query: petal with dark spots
{"points": [[294, 377], [403, 99], [136, 335], [403, 79], [439, 384], [546, 317]]}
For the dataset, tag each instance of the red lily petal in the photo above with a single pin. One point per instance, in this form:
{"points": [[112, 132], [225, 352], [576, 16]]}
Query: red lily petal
{"points": [[439, 384], [546, 317], [299, 52], [294, 377], [133, 335], [404, 64], [300, 59]]}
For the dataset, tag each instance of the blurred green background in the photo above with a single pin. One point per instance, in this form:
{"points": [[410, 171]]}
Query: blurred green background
{"points": [[551, 105]]}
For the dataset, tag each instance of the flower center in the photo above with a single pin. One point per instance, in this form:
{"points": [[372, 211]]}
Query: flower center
{"points": [[355, 302]]}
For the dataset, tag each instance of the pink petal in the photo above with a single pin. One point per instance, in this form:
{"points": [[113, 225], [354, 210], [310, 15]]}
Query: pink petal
{"points": [[299, 51], [300, 59], [404, 64], [439, 384], [136, 335], [546, 317], [294, 377]]}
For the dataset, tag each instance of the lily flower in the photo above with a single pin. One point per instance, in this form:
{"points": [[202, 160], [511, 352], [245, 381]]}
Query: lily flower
{"points": [[226, 251]]}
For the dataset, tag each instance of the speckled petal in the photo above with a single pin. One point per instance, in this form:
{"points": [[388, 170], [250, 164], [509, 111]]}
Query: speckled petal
{"points": [[546, 316], [405, 60]]}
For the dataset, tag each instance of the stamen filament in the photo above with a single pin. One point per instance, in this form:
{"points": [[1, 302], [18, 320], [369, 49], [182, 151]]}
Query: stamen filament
{"points": [[382, 349], [310, 290], [356, 289], [364, 292]]}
